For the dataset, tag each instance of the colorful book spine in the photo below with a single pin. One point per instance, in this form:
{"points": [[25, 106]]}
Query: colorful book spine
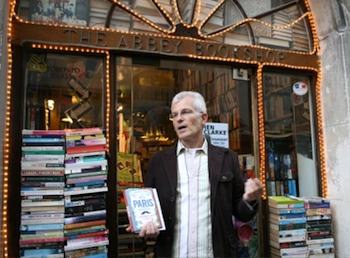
{"points": [[319, 238], [315, 234], [86, 169], [42, 194], [287, 227], [63, 192]]}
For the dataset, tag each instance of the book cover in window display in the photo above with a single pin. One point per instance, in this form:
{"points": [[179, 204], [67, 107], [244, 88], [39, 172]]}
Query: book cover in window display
{"points": [[143, 205], [129, 171]]}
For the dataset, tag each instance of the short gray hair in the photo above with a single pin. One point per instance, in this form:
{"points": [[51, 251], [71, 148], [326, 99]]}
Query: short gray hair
{"points": [[198, 103]]}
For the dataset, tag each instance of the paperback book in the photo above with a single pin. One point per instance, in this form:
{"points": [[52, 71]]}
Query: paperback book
{"points": [[143, 206]]}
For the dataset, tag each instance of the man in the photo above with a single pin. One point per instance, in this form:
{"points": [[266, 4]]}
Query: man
{"points": [[199, 187]]}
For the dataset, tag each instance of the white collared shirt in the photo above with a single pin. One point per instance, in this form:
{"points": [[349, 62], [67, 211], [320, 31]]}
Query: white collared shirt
{"points": [[193, 232]]}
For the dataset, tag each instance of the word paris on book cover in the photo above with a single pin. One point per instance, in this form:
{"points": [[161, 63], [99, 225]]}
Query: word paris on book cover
{"points": [[143, 205]]}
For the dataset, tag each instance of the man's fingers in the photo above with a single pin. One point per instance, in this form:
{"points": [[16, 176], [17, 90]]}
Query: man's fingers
{"points": [[152, 230], [149, 230], [128, 229], [253, 184], [142, 232], [253, 189]]}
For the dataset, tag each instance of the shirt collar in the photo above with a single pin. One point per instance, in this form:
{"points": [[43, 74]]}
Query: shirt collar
{"points": [[180, 147]]}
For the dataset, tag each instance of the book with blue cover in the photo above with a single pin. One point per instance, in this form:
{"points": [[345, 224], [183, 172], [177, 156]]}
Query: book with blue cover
{"points": [[143, 206]]}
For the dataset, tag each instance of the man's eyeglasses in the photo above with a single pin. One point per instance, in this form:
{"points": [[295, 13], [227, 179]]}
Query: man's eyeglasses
{"points": [[183, 113]]}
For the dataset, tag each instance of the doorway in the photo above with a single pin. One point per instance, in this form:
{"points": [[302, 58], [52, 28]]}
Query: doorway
{"points": [[144, 91]]}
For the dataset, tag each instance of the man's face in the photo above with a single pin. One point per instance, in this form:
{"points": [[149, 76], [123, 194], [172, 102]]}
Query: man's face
{"points": [[187, 122]]}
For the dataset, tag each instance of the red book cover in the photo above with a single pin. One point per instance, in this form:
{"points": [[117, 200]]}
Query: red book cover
{"points": [[83, 149]]}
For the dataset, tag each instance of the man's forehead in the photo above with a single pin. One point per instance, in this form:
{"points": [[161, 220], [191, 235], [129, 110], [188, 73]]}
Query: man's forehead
{"points": [[183, 103]]}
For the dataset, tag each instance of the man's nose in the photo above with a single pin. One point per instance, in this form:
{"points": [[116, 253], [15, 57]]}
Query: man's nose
{"points": [[178, 119]]}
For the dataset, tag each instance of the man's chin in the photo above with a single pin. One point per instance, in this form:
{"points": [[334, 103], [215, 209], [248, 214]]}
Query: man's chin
{"points": [[182, 137]]}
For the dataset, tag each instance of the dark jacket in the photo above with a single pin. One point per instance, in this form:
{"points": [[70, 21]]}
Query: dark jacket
{"points": [[226, 186]]}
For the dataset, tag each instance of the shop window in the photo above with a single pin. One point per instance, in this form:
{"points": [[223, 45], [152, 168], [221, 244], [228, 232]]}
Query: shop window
{"points": [[289, 135], [145, 88], [63, 91]]}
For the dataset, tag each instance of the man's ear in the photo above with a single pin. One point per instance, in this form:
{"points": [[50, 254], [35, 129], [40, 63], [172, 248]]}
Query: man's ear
{"points": [[205, 117]]}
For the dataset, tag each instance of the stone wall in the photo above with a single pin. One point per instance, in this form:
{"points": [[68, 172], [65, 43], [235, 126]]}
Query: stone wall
{"points": [[332, 19]]}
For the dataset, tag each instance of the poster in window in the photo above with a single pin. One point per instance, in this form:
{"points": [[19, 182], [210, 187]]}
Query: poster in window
{"points": [[77, 111], [72, 12]]}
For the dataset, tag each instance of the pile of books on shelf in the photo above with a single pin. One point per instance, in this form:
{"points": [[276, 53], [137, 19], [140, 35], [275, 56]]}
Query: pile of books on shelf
{"points": [[281, 174], [85, 193], [287, 227], [320, 239], [42, 194]]}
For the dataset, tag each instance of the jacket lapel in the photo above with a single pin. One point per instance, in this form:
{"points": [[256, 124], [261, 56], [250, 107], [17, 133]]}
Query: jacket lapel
{"points": [[215, 162], [170, 165]]}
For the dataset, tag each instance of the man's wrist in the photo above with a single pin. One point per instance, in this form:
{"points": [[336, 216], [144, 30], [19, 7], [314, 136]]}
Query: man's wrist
{"points": [[248, 197], [251, 204]]}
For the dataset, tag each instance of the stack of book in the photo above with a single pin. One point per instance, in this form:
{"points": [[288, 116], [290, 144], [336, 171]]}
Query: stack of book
{"points": [[320, 239], [42, 194], [85, 193], [287, 230]]}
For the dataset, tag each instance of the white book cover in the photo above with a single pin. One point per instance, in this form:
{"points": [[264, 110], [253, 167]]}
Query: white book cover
{"points": [[47, 256], [78, 191], [143, 205]]}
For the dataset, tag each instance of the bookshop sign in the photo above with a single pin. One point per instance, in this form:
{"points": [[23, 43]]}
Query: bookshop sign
{"points": [[199, 48], [152, 43]]}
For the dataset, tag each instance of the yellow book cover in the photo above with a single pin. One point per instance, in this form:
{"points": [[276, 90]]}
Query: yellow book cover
{"points": [[128, 169]]}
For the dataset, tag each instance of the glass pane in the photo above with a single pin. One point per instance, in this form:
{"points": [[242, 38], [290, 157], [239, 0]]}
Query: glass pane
{"points": [[63, 91], [73, 12], [145, 88], [186, 9], [228, 14], [291, 163], [122, 20], [99, 12]]}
